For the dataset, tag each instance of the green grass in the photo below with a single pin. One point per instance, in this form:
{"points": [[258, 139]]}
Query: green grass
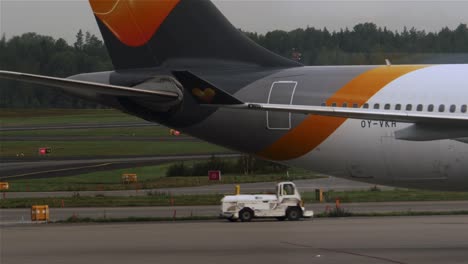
{"points": [[106, 148], [150, 177], [134, 132], [163, 199], [396, 195], [387, 214], [99, 201], [23, 117], [77, 219]]}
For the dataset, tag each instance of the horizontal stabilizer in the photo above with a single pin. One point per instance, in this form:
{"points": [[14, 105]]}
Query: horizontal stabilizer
{"points": [[204, 92], [86, 89]]}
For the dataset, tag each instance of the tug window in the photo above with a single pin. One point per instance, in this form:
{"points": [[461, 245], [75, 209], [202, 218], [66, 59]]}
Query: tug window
{"points": [[288, 189]]}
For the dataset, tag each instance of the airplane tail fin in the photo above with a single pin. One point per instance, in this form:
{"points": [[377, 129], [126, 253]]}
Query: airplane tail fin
{"points": [[151, 33]]}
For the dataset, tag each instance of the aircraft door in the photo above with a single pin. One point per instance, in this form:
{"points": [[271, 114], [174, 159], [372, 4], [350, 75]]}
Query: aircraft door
{"points": [[281, 92]]}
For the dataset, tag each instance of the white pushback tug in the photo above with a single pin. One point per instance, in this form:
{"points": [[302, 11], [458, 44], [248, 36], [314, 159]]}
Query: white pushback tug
{"points": [[286, 204]]}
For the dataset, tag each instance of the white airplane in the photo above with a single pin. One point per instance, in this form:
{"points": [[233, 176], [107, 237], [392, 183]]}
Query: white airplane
{"points": [[182, 64]]}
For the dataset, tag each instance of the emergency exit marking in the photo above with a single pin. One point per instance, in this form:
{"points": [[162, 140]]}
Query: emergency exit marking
{"points": [[214, 175]]}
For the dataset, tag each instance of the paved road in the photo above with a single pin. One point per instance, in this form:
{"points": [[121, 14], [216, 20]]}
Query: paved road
{"points": [[326, 183], [14, 216], [439, 239], [67, 167]]}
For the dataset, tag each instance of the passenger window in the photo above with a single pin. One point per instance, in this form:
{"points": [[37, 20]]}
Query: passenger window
{"points": [[355, 105], [409, 107], [463, 109], [398, 107], [366, 105], [419, 108], [376, 106], [387, 106], [323, 104], [430, 108], [441, 108], [333, 105], [453, 108], [345, 104]]}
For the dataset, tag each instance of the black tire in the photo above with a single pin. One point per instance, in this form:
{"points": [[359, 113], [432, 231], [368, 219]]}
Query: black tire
{"points": [[232, 219], [246, 215], [294, 214], [282, 218]]}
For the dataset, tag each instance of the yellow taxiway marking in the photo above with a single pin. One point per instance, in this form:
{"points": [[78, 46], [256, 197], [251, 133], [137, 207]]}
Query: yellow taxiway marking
{"points": [[66, 169]]}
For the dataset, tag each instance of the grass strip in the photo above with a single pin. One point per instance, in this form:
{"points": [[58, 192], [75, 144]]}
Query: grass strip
{"points": [[155, 198], [25, 117], [396, 195], [149, 177], [107, 148], [73, 219], [387, 214], [130, 132]]}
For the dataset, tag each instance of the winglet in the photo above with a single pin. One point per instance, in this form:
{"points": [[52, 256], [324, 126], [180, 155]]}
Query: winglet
{"points": [[204, 92]]}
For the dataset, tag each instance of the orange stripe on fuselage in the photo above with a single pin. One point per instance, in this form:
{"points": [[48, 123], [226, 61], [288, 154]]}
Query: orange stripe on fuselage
{"points": [[316, 129], [133, 22]]}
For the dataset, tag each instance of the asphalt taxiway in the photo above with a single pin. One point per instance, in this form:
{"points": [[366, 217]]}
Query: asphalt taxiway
{"points": [[435, 239]]}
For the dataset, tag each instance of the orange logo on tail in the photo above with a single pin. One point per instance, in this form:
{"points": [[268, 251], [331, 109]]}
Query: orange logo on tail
{"points": [[133, 22], [206, 95]]}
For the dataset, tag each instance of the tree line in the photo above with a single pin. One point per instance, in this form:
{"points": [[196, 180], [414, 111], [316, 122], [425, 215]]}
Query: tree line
{"points": [[363, 44]]}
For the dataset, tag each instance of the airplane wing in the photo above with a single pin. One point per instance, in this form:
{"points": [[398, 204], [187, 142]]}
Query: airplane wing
{"points": [[225, 100], [84, 88], [354, 113]]}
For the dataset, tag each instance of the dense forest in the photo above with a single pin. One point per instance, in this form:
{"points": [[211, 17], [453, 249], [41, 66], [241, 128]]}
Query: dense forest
{"points": [[363, 44]]}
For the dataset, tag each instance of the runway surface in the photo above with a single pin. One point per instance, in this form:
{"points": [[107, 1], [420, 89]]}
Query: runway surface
{"points": [[19, 216], [326, 183], [439, 239]]}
